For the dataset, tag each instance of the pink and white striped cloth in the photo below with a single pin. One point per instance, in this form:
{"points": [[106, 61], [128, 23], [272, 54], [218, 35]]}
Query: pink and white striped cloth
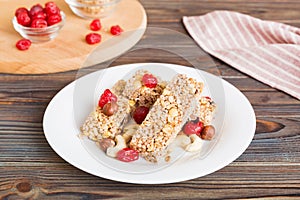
{"points": [[268, 51]]}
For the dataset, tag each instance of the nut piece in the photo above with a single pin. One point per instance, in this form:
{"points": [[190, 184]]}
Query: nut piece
{"points": [[182, 140], [106, 143], [168, 158], [196, 144], [110, 108], [121, 144], [208, 132], [129, 131]]}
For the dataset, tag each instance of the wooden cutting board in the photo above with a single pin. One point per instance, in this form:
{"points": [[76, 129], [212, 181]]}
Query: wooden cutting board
{"points": [[68, 51]]}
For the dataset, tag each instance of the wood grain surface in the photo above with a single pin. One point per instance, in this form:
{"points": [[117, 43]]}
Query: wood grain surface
{"points": [[268, 169]]}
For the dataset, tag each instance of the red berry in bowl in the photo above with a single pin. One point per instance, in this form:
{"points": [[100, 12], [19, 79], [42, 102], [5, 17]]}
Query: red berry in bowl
{"points": [[149, 81], [38, 23], [19, 10], [93, 38], [35, 9], [116, 30], [127, 155], [23, 19], [53, 19], [95, 25], [23, 44], [40, 15], [50, 4], [193, 128], [140, 113], [106, 97], [51, 9]]}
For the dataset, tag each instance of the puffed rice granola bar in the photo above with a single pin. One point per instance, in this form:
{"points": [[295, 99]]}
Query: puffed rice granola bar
{"points": [[98, 126], [166, 118], [140, 95]]}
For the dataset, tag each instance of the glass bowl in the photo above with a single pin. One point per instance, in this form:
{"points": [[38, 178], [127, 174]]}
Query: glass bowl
{"points": [[91, 9], [40, 34]]}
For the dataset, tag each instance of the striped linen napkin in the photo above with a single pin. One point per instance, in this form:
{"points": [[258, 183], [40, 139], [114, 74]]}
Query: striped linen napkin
{"points": [[268, 51]]}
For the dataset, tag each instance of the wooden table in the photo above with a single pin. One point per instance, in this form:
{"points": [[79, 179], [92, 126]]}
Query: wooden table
{"points": [[269, 168]]}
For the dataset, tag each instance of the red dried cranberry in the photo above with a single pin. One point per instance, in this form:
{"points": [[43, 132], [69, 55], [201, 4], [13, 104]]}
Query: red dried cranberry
{"points": [[38, 23], [127, 155], [23, 44], [53, 19], [23, 19], [40, 15], [51, 9], [34, 10], [93, 38], [50, 4], [116, 30], [149, 81], [207, 97], [106, 97], [140, 114], [19, 10], [193, 128], [95, 25]]}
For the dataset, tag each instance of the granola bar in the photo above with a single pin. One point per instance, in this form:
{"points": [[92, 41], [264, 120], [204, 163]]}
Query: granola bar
{"points": [[98, 125], [166, 118], [140, 95], [204, 110], [130, 93]]}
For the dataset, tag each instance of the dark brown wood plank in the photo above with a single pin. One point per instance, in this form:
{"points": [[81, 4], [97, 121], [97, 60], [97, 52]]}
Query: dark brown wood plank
{"points": [[226, 183], [276, 140]]}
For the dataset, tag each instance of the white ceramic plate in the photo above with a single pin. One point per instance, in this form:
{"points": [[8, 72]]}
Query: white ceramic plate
{"points": [[234, 121]]}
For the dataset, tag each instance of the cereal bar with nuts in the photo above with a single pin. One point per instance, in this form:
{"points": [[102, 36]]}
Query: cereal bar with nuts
{"points": [[166, 117], [104, 121], [204, 110], [143, 88], [107, 120]]}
